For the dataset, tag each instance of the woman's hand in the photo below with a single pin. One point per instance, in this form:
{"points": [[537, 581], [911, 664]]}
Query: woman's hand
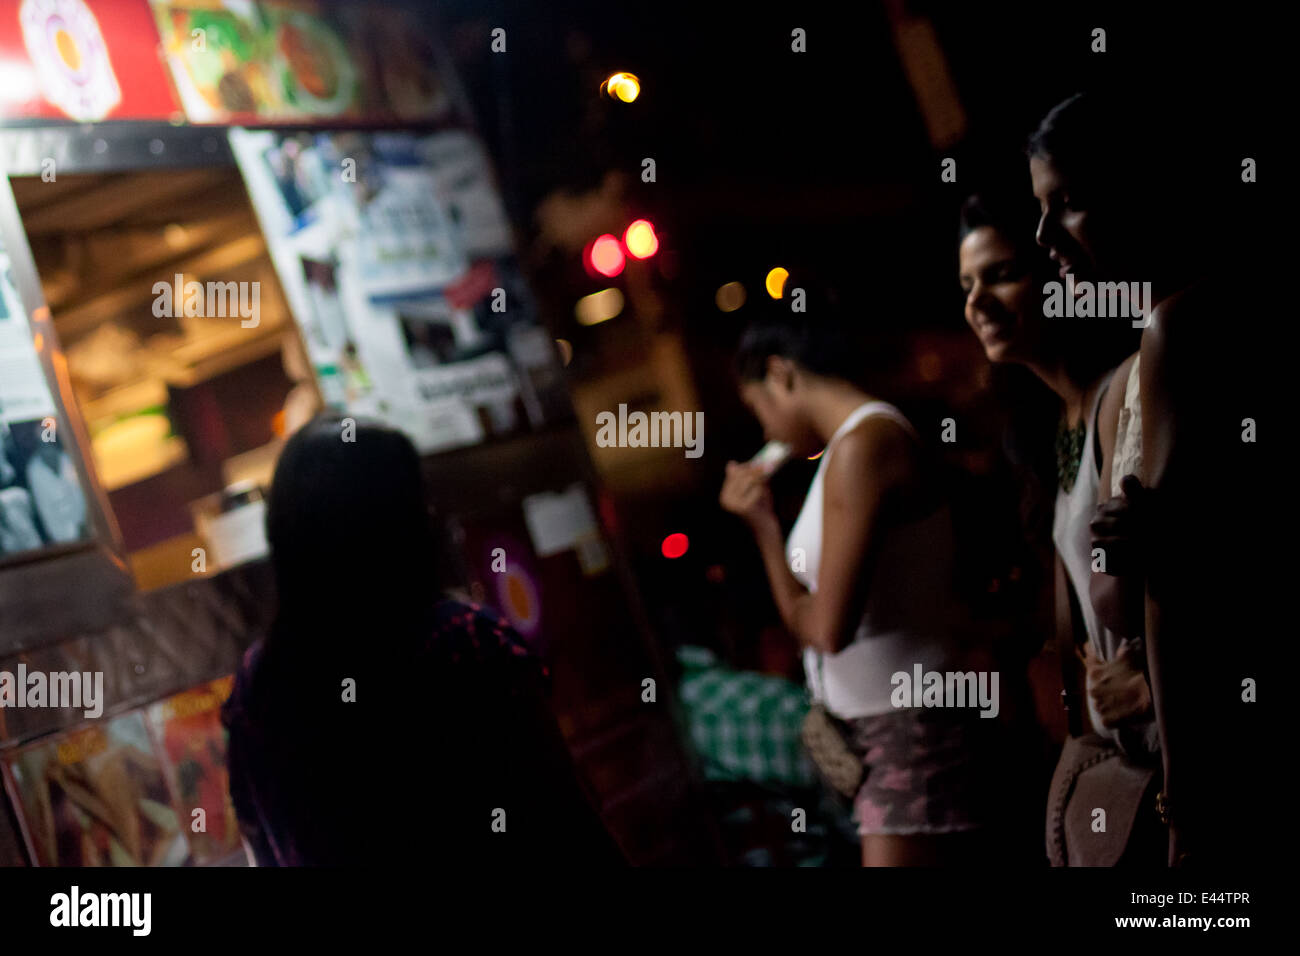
{"points": [[745, 493], [1118, 688], [1119, 528]]}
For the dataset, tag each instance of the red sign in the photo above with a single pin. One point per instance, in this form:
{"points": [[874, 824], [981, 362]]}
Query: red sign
{"points": [[84, 60]]}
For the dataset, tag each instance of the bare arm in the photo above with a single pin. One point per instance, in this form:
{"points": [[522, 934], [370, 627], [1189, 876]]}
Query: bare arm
{"points": [[1158, 433], [869, 462], [1116, 596]]}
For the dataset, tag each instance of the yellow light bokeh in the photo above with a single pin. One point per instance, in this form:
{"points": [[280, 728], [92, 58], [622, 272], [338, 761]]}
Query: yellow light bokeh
{"points": [[775, 282], [599, 307], [566, 351], [640, 239], [730, 296], [625, 86]]}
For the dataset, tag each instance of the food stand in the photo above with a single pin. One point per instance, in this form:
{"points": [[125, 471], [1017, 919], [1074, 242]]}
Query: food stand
{"points": [[216, 218]]}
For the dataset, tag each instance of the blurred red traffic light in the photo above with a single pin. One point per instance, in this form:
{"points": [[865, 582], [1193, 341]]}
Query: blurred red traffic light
{"points": [[675, 545], [605, 256]]}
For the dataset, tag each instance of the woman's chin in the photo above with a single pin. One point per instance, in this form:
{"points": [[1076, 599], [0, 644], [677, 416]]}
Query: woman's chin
{"points": [[1000, 353]]}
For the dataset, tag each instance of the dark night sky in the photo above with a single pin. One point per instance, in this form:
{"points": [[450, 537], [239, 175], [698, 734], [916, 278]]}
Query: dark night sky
{"points": [[764, 153]]}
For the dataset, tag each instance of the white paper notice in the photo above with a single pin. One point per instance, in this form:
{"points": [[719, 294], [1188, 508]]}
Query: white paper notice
{"points": [[558, 521], [24, 393]]}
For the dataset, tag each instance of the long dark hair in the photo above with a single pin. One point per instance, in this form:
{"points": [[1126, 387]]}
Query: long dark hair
{"points": [[353, 551], [1164, 162], [1029, 409]]}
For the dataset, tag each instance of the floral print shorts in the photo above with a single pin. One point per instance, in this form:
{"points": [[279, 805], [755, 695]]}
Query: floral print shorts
{"points": [[923, 771]]}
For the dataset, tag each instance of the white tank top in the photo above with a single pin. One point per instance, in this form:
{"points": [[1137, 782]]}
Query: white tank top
{"points": [[909, 612], [1073, 539]]}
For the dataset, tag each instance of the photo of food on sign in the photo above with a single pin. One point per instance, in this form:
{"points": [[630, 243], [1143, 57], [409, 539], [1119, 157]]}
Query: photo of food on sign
{"points": [[313, 70], [262, 60], [215, 59], [401, 62], [97, 797], [193, 745]]}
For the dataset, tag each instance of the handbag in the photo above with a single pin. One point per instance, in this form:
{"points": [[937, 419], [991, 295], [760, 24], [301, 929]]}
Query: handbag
{"points": [[827, 740], [1093, 774]]}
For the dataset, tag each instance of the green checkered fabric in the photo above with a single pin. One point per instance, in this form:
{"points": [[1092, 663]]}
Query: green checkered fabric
{"points": [[744, 725]]}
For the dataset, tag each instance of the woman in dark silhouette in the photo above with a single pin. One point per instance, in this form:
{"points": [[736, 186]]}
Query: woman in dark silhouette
{"points": [[377, 723], [1172, 212]]}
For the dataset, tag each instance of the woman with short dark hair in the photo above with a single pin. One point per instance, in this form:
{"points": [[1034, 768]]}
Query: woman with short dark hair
{"points": [[864, 582]]}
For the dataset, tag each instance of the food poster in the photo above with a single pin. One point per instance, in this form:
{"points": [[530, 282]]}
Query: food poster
{"points": [[215, 53], [234, 59], [401, 62], [239, 60], [96, 797], [395, 254], [192, 742]]}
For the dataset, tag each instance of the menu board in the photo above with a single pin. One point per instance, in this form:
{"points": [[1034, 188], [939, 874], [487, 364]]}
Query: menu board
{"points": [[42, 501], [395, 254]]}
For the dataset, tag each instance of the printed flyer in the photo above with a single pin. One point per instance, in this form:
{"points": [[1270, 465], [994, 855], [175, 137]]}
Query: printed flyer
{"points": [[395, 254]]}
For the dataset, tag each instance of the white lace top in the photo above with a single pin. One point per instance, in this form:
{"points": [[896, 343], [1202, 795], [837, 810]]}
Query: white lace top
{"points": [[1128, 433]]}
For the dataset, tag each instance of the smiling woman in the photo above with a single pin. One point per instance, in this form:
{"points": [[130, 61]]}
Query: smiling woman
{"points": [[1003, 274]]}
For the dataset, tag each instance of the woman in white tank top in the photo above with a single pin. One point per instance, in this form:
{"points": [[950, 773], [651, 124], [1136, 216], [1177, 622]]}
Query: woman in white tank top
{"points": [[1078, 363], [908, 614], [864, 583]]}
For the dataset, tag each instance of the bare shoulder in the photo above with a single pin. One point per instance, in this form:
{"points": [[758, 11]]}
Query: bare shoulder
{"points": [[1183, 321], [878, 450]]}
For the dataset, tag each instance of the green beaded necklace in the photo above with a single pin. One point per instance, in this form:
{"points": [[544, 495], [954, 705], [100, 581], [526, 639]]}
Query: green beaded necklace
{"points": [[1069, 452]]}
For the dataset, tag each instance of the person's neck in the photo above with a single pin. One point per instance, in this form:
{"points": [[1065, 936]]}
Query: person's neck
{"points": [[1056, 376], [830, 402]]}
